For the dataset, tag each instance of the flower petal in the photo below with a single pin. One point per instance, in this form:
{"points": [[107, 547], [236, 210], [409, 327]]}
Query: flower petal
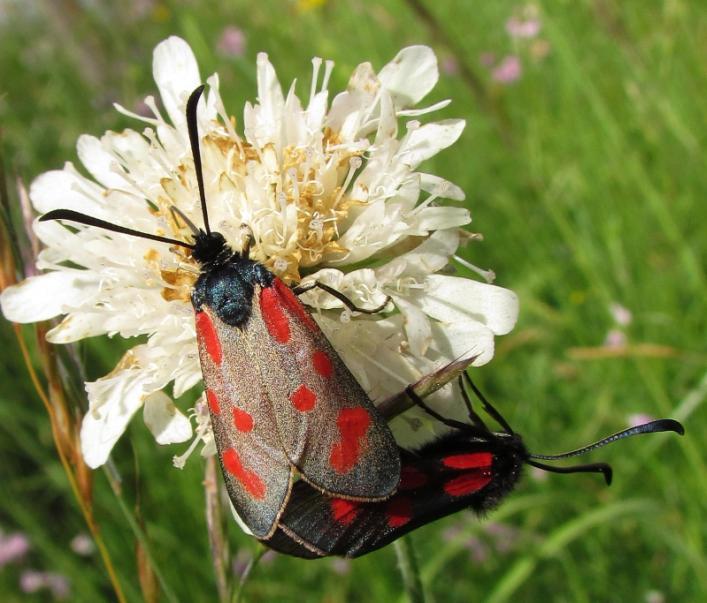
{"points": [[452, 298], [45, 296], [410, 75], [66, 189], [176, 74], [428, 140], [463, 339], [416, 324], [429, 256], [102, 165], [77, 326], [166, 422], [439, 186], [113, 400]]}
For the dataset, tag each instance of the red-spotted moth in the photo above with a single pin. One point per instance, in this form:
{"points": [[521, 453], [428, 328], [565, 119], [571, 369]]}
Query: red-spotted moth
{"points": [[281, 400], [470, 467]]}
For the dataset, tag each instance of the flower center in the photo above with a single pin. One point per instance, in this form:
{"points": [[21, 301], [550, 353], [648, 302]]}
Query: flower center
{"points": [[293, 199]]}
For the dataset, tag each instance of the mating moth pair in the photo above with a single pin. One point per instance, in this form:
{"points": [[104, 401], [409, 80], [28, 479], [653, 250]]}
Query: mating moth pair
{"points": [[283, 406]]}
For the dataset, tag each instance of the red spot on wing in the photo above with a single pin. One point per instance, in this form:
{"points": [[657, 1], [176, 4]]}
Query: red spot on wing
{"points": [[343, 511], [303, 398], [472, 460], [467, 483], [249, 479], [211, 398], [294, 306], [353, 423], [274, 316], [206, 332], [242, 420], [322, 364], [399, 511], [411, 478]]}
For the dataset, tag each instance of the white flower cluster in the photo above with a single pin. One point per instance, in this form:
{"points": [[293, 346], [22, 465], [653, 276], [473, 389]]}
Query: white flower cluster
{"points": [[326, 186]]}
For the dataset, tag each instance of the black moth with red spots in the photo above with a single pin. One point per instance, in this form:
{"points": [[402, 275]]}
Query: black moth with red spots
{"points": [[469, 468], [281, 400], [447, 476]]}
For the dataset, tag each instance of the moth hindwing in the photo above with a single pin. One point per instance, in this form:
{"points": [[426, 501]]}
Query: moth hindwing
{"points": [[441, 478]]}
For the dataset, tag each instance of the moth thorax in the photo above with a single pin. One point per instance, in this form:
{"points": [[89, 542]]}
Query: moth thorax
{"points": [[211, 248]]}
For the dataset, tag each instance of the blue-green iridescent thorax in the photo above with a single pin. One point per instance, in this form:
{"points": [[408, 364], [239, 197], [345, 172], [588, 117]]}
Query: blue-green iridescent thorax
{"points": [[227, 280]]}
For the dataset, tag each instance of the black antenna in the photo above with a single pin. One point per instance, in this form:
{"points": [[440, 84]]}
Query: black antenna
{"points": [[74, 216], [193, 128], [652, 427], [588, 468]]}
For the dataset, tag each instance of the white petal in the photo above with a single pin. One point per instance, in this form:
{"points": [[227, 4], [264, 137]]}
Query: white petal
{"points": [[417, 326], [270, 95], [433, 218], [424, 110], [66, 189], [463, 339], [439, 186], [176, 74], [263, 122], [428, 140], [166, 422], [387, 121], [77, 326], [241, 524], [102, 165], [429, 256], [46, 296], [113, 400], [410, 75], [452, 298]]}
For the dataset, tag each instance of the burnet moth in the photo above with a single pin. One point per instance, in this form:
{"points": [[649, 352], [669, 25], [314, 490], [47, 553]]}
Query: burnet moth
{"points": [[469, 468], [281, 400]]}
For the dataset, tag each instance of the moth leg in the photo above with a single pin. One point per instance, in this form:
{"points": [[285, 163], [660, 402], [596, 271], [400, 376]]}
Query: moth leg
{"points": [[178, 213], [188, 268], [488, 407], [248, 240], [473, 416], [341, 297], [433, 413]]}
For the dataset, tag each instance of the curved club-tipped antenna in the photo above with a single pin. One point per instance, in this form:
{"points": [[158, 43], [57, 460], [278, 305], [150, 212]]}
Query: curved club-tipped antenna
{"points": [[75, 216], [193, 128], [651, 427], [532, 459]]}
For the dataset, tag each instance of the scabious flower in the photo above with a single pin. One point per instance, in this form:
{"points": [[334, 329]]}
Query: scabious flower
{"points": [[508, 70], [13, 547], [82, 544], [331, 190], [33, 581], [232, 42]]}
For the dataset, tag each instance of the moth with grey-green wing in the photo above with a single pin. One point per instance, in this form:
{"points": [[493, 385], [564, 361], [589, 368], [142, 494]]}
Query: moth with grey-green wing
{"points": [[281, 400]]}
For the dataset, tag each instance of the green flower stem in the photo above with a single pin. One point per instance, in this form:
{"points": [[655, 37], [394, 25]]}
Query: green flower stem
{"points": [[409, 570], [238, 593]]}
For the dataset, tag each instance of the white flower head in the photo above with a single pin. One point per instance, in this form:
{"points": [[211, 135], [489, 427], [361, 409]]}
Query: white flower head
{"points": [[331, 190]]}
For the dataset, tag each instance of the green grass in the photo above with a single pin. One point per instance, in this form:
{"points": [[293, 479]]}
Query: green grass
{"points": [[587, 179]]}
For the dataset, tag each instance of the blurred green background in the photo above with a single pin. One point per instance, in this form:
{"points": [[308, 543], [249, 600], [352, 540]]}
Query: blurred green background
{"points": [[582, 166]]}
